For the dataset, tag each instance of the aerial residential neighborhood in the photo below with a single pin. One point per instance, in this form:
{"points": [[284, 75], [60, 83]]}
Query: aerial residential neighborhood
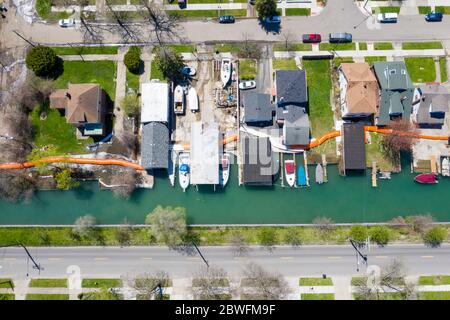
{"points": [[224, 150]]}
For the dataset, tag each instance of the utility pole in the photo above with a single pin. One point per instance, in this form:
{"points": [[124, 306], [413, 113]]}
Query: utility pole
{"points": [[36, 265], [357, 245]]}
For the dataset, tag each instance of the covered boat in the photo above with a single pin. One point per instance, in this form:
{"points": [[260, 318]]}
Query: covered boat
{"points": [[301, 176], [224, 169], [225, 71], [178, 100], [445, 167], [426, 178], [319, 174], [183, 170], [193, 99], [289, 170]]}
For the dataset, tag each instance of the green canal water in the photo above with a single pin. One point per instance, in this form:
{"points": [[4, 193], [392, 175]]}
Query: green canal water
{"points": [[344, 199]]}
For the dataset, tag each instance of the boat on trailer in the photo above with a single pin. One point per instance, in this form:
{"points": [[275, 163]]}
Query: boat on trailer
{"points": [[224, 169], [445, 167], [289, 171], [193, 99], [183, 170], [319, 174], [301, 176], [426, 178], [225, 71], [179, 105]]}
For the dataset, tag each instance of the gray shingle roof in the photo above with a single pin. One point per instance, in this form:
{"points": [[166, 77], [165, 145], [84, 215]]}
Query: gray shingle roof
{"points": [[354, 148], [296, 126], [257, 166], [257, 107], [291, 87], [155, 146], [434, 103]]}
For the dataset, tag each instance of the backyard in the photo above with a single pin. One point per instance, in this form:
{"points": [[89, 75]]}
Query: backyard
{"points": [[375, 153]]}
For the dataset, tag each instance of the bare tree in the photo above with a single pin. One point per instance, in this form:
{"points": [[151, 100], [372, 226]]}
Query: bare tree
{"points": [[92, 32], [249, 49], [292, 237], [287, 39], [420, 223], [324, 224], [238, 243], [150, 286], [209, 284], [265, 285], [85, 227], [124, 183], [123, 25], [123, 233], [401, 139]]}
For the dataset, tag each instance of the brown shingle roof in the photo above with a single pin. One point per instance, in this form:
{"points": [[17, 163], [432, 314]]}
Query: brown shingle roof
{"points": [[84, 103], [58, 99]]}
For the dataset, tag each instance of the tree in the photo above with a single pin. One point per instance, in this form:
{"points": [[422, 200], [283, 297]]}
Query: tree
{"points": [[419, 223], [168, 225], [123, 234], [238, 243], [169, 62], [435, 236], [358, 233], [266, 285], [248, 49], [16, 185], [124, 183], [123, 25], [208, 284], [130, 104], [266, 8], [150, 286], [292, 237], [42, 60], [132, 59], [267, 238], [85, 227], [324, 224], [380, 235], [390, 279], [64, 180], [287, 39], [401, 139]]}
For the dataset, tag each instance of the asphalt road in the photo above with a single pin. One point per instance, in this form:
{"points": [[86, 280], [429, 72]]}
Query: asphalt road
{"points": [[337, 16], [306, 260]]}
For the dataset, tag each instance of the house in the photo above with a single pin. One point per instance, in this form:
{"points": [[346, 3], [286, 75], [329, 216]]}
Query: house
{"points": [[205, 150], [257, 166], [295, 126], [84, 107], [154, 102], [258, 110], [431, 103], [396, 91], [354, 155], [359, 91], [155, 146], [290, 88]]}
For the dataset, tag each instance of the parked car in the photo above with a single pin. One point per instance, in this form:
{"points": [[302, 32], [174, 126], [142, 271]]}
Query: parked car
{"points": [[340, 37], [312, 38], [273, 20], [389, 17], [188, 71], [434, 17], [226, 19], [245, 85], [65, 23]]}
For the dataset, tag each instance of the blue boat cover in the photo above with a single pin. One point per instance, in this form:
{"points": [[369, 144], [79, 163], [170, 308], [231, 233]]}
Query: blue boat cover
{"points": [[184, 168], [301, 177]]}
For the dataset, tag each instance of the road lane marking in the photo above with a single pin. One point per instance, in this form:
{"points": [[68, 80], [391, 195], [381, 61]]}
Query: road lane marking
{"points": [[193, 258], [240, 258], [100, 259], [334, 258], [146, 258], [54, 259], [427, 257], [381, 257], [9, 259], [287, 258]]}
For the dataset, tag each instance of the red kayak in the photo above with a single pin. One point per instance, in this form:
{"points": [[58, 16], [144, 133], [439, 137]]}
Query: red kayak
{"points": [[426, 178]]}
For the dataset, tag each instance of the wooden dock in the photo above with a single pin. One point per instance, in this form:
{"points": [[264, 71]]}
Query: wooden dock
{"points": [[324, 166], [433, 164], [282, 168], [306, 168], [374, 174]]}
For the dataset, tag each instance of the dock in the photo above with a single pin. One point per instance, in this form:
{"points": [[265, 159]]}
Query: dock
{"points": [[282, 168], [324, 166], [374, 174], [306, 168], [433, 164]]}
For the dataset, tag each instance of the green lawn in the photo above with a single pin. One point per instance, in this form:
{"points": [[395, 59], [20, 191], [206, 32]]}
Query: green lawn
{"points": [[247, 69], [386, 9], [421, 45], [292, 47], [6, 283], [421, 70], [7, 296], [100, 283], [227, 47], [443, 9], [320, 113], [424, 9], [132, 81], [362, 46], [371, 60], [383, 46], [48, 283], [383, 296], [443, 69], [193, 14], [298, 12], [315, 282], [101, 72], [317, 296], [47, 297], [85, 50], [337, 46], [180, 48], [337, 61], [434, 295], [43, 9], [284, 64], [155, 72], [215, 282], [434, 280], [374, 152], [357, 280]]}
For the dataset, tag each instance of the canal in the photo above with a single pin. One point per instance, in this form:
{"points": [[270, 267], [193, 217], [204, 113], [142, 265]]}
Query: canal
{"points": [[343, 199]]}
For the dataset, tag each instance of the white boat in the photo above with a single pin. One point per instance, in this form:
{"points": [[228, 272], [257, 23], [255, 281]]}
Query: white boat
{"points": [[224, 169], [193, 99], [183, 170], [445, 167], [225, 71], [385, 175], [289, 171], [178, 100], [319, 174]]}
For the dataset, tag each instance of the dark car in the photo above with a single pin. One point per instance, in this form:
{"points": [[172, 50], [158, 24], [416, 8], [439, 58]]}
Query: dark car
{"points": [[273, 20], [312, 38], [340, 37], [434, 17], [226, 19]]}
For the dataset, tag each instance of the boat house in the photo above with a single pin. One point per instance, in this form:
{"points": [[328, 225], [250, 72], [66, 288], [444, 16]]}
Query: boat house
{"points": [[359, 92], [396, 91], [432, 102], [154, 119], [258, 111], [257, 166], [296, 126], [205, 150], [354, 155]]}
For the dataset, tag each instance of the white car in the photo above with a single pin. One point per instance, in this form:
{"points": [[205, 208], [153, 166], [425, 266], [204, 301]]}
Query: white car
{"points": [[245, 85], [65, 23], [390, 17]]}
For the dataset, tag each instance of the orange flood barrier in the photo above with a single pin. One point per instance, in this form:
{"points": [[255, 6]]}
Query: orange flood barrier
{"points": [[29, 164], [228, 139]]}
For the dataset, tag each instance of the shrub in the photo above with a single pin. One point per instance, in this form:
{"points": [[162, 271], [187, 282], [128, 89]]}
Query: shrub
{"points": [[358, 233], [435, 236], [42, 60], [293, 237], [132, 59], [380, 235], [420, 223], [267, 238]]}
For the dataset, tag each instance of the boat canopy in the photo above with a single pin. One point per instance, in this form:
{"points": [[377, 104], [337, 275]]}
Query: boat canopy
{"points": [[184, 168], [290, 167]]}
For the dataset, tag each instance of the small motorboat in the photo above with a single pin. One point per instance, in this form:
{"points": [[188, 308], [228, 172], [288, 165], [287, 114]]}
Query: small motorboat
{"points": [[319, 174], [224, 169], [445, 167], [385, 175], [301, 176], [193, 99], [289, 170], [426, 178], [179, 100], [225, 72], [183, 170]]}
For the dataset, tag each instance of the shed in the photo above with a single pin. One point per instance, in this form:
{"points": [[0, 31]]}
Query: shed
{"points": [[155, 146], [154, 102]]}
